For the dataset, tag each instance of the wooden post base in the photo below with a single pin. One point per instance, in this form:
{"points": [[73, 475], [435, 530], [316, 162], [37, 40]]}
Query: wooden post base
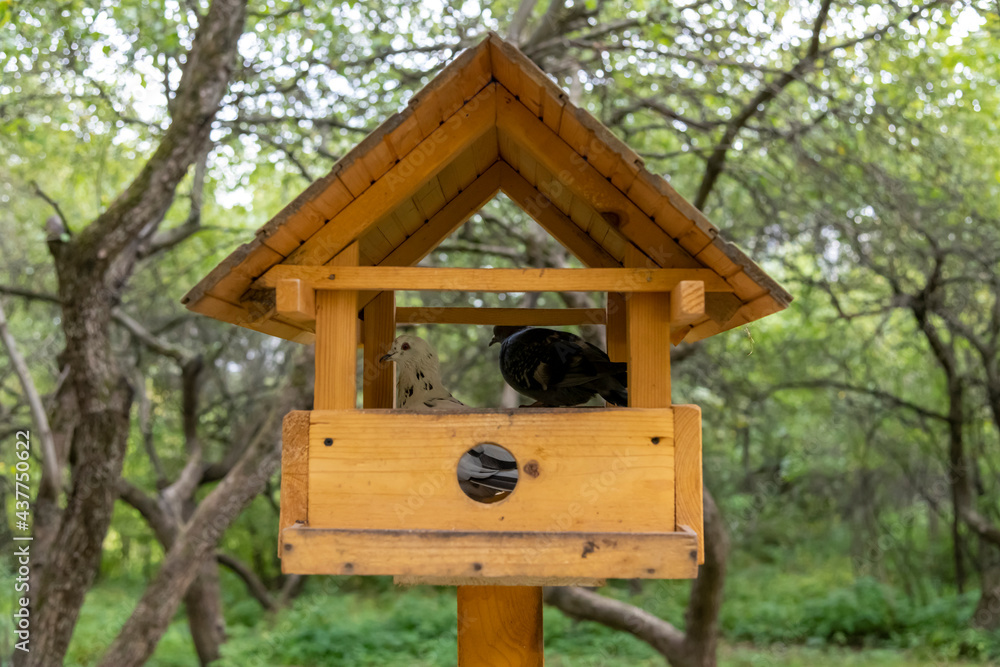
{"points": [[500, 626]]}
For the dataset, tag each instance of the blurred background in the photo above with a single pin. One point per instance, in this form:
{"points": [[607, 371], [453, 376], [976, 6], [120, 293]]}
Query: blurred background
{"points": [[852, 442]]}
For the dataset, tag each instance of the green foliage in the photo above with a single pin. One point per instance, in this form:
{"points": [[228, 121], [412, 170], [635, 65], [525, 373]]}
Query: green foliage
{"points": [[834, 495], [107, 607], [328, 627], [812, 598], [354, 622]]}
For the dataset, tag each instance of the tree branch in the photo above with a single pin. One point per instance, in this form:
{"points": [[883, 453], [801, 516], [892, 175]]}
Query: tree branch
{"points": [[254, 585], [151, 511], [716, 162], [52, 475], [892, 399], [51, 202], [154, 343], [205, 78], [183, 488], [587, 605], [146, 429], [30, 294], [271, 141], [520, 20], [480, 248]]}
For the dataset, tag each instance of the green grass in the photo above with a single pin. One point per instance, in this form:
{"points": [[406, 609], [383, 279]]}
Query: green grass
{"points": [[772, 617], [107, 607], [800, 656]]}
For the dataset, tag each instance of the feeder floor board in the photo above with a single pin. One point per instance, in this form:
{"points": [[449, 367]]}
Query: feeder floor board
{"points": [[447, 553]]}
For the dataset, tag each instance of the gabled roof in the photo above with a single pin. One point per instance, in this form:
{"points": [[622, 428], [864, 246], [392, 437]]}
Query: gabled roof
{"points": [[490, 121]]}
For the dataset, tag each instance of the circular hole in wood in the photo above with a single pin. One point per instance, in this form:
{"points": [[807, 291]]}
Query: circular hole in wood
{"points": [[487, 473]]}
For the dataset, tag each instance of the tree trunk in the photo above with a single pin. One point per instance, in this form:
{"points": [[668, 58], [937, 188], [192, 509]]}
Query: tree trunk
{"points": [[93, 269], [191, 549], [987, 614], [203, 602], [701, 619], [73, 563]]}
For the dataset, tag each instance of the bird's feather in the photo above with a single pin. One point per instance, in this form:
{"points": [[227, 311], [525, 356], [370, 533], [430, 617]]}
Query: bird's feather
{"points": [[557, 368]]}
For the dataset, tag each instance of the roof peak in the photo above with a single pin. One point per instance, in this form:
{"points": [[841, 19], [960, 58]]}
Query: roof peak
{"points": [[490, 121]]}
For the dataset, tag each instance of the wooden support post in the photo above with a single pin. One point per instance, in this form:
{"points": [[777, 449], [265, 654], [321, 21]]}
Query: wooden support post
{"points": [[379, 378], [336, 342], [500, 626], [616, 320], [648, 334]]}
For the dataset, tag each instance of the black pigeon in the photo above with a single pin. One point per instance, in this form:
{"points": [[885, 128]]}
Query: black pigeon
{"points": [[557, 368]]}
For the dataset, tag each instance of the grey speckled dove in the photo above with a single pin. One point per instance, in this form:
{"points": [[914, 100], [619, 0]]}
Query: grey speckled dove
{"points": [[486, 472]]}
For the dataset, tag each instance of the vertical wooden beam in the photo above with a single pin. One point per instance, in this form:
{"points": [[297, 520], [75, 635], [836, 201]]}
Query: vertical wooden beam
{"points": [[294, 472], [648, 335], [378, 378], [500, 626], [336, 342], [688, 506], [616, 320]]}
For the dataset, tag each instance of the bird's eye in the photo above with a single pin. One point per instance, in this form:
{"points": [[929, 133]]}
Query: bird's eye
{"points": [[405, 346]]}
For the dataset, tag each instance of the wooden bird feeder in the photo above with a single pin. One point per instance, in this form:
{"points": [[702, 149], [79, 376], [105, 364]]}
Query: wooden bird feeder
{"points": [[613, 492]]}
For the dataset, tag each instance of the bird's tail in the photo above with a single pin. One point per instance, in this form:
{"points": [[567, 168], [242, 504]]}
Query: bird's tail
{"points": [[617, 397], [615, 390]]}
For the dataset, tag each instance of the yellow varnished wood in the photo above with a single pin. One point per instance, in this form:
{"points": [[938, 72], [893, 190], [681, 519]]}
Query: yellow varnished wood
{"points": [[336, 342], [545, 212], [448, 553], [294, 471], [648, 332], [445, 221], [500, 626], [330, 278], [586, 182], [617, 321], [404, 179], [295, 301], [519, 580], [540, 317], [687, 456], [378, 377], [594, 470], [687, 302]]}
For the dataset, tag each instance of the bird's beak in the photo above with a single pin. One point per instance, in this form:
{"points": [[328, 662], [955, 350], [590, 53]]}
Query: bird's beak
{"points": [[386, 357], [493, 340]]}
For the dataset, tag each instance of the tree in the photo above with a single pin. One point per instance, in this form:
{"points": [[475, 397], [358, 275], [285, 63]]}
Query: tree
{"points": [[730, 112], [93, 266], [909, 247]]}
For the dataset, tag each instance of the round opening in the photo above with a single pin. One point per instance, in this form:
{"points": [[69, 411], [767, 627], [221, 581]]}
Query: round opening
{"points": [[487, 473]]}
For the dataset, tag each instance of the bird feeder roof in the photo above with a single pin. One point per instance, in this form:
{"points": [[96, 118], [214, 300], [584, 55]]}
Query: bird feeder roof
{"points": [[491, 121]]}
